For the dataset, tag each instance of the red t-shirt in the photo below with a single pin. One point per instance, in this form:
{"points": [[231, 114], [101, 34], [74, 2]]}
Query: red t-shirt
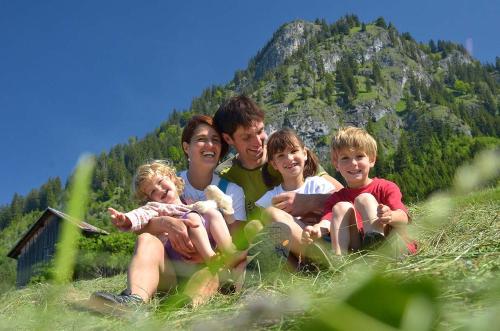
{"points": [[384, 191]]}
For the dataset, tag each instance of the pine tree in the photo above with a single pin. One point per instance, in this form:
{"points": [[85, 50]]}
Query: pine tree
{"points": [[380, 22], [376, 73]]}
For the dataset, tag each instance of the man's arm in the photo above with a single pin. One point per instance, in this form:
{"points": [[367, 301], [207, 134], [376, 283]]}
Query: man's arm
{"points": [[305, 205], [300, 204]]}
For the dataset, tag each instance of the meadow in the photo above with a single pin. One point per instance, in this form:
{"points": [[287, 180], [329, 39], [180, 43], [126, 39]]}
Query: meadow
{"points": [[452, 283]]}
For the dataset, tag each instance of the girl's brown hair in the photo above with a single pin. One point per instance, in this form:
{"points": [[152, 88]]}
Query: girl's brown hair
{"points": [[277, 143]]}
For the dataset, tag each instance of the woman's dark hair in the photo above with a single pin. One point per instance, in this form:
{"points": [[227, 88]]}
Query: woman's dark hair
{"points": [[277, 143], [190, 128]]}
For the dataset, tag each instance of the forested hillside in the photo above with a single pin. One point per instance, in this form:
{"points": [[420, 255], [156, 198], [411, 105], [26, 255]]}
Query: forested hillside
{"points": [[431, 107]]}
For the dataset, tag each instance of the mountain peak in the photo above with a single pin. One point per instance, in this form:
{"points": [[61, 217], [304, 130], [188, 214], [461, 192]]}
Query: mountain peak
{"points": [[285, 41]]}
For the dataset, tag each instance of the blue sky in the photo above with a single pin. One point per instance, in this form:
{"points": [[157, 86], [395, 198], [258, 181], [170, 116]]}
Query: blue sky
{"points": [[82, 76]]}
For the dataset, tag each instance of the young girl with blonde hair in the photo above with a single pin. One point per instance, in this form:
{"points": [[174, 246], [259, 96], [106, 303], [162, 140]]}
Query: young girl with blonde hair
{"points": [[157, 184]]}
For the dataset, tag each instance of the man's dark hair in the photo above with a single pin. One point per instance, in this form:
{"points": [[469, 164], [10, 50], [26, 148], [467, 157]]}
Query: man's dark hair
{"points": [[237, 111]]}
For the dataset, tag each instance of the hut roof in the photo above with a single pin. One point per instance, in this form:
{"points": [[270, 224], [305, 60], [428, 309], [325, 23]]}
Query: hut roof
{"points": [[85, 227]]}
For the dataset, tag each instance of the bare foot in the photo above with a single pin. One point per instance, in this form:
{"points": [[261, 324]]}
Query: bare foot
{"points": [[202, 286]]}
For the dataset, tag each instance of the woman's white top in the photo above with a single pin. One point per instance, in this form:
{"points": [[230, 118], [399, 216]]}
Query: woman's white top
{"points": [[192, 195], [312, 185]]}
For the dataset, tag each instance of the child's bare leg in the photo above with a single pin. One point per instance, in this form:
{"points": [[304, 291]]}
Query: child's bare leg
{"points": [[199, 237], [343, 219], [366, 205], [218, 229], [280, 216]]}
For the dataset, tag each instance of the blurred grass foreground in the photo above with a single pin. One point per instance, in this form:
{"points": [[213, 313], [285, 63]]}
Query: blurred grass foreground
{"points": [[453, 282]]}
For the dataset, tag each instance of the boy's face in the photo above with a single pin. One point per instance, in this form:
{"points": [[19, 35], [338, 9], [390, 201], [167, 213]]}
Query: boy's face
{"points": [[250, 144], [160, 189], [354, 166]]}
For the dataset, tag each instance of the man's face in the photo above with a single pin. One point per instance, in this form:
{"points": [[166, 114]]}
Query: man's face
{"points": [[250, 144]]}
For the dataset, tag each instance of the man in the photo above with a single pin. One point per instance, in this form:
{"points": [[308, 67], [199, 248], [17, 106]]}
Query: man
{"points": [[241, 124]]}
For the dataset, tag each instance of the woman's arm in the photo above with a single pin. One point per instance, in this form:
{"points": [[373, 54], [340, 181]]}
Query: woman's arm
{"points": [[176, 230]]}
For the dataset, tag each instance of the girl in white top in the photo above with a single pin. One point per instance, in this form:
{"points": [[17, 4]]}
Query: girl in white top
{"points": [[296, 164]]}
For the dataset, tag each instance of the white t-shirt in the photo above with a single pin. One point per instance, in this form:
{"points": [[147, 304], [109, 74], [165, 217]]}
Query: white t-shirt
{"points": [[312, 185], [192, 195]]}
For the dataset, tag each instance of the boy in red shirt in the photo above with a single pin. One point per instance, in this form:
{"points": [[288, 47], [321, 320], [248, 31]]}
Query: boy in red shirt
{"points": [[368, 208]]}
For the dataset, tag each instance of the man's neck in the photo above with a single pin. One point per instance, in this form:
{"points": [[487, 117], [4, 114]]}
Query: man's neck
{"points": [[251, 164]]}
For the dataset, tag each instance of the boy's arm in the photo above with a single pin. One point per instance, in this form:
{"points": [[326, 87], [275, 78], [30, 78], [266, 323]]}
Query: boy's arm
{"points": [[391, 209], [394, 218]]}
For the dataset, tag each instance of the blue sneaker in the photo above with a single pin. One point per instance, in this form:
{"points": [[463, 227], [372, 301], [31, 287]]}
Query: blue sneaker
{"points": [[106, 302]]}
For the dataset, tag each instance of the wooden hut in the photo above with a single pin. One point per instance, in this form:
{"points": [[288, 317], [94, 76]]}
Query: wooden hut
{"points": [[38, 244]]}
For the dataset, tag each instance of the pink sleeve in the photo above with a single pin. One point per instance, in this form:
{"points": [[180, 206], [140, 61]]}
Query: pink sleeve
{"points": [[140, 217]]}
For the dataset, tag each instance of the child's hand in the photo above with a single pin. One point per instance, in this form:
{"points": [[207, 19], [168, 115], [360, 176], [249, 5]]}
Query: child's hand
{"points": [[119, 219], [310, 233], [203, 206], [384, 214]]}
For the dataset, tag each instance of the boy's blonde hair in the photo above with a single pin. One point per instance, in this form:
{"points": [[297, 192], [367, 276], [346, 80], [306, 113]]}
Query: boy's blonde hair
{"points": [[147, 171], [354, 138]]}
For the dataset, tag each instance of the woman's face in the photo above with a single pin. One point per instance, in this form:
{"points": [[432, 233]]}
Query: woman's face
{"points": [[204, 148]]}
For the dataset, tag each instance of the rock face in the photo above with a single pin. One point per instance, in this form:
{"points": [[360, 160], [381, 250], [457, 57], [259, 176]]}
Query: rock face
{"points": [[401, 64], [286, 41], [297, 81]]}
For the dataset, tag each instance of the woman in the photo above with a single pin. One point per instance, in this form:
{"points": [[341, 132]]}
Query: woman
{"points": [[150, 269]]}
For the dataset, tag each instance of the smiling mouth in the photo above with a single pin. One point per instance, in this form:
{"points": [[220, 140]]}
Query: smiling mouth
{"points": [[208, 154], [257, 152], [291, 165]]}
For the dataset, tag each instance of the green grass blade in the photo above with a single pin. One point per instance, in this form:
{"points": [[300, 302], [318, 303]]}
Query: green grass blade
{"points": [[77, 204]]}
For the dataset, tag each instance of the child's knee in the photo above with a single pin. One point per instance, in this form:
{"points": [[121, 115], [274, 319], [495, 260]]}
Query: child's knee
{"points": [[342, 207], [365, 199], [213, 215], [195, 219], [273, 214]]}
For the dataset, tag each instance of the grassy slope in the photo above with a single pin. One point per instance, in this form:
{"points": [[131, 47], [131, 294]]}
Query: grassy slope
{"points": [[459, 254]]}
